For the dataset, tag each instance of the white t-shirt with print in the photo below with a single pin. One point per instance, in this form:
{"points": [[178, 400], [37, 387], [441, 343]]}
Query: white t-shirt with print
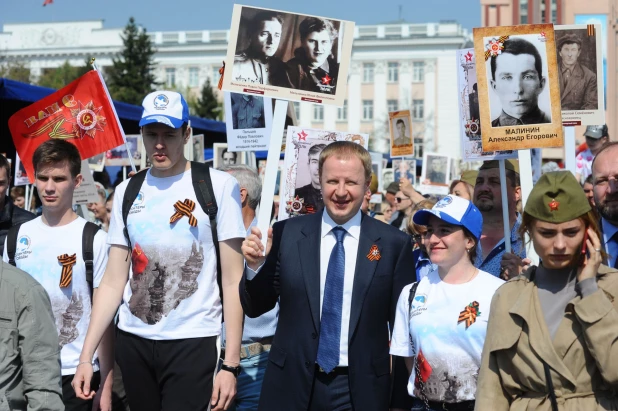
{"points": [[172, 291], [451, 350], [583, 164], [37, 252]]}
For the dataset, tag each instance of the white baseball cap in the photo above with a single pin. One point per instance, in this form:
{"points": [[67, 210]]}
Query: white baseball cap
{"points": [[166, 107], [454, 210]]}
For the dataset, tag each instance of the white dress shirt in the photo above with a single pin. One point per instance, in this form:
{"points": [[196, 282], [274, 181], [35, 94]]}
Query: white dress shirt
{"points": [[350, 244]]}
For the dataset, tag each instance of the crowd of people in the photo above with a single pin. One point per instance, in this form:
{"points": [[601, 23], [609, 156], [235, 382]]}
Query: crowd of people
{"points": [[166, 295]]}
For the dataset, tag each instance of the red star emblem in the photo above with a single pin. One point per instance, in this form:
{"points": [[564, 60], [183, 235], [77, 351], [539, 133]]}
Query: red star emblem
{"points": [[542, 34], [87, 120], [553, 205], [468, 56], [302, 136], [326, 80]]}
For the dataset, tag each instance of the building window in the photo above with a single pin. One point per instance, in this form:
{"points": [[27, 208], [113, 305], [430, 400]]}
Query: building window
{"points": [[318, 112], [215, 76], [194, 79], [297, 110], [393, 72], [523, 11], [367, 109], [418, 71], [418, 147], [342, 112], [170, 77], [417, 109], [393, 105], [368, 73]]}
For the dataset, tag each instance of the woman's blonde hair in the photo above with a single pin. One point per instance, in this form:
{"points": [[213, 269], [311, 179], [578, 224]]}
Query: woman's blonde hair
{"points": [[414, 228]]}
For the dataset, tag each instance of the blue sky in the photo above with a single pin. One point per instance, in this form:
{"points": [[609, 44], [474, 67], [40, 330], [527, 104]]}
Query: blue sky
{"points": [[171, 15]]}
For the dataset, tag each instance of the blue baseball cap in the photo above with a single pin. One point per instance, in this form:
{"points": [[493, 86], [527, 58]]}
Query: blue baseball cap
{"points": [[165, 107], [454, 210]]}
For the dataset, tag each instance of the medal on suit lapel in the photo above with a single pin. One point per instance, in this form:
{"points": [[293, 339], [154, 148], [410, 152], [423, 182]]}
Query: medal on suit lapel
{"points": [[374, 253], [469, 314]]}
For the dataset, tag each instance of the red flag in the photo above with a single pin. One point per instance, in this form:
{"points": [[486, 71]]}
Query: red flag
{"points": [[80, 113], [46, 2], [424, 367]]}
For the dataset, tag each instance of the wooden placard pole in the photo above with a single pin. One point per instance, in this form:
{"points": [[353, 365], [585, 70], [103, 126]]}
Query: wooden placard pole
{"points": [[272, 166], [525, 176], [569, 149], [505, 207]]}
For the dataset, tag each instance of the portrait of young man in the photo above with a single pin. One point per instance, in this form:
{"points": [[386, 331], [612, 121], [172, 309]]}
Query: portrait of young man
{"points": [[517, 80], [312, 192], [436, 173], [402, 136], [578, 84], [257, 62], [247, 111]]}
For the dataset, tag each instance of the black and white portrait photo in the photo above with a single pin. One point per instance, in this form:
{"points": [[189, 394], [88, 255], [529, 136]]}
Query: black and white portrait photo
{"points": [[577, 63], [289, 51], [247, 111], [518, 82], [404, 168], [401, 136], [435, 169], [222, 156], [308, 178]]}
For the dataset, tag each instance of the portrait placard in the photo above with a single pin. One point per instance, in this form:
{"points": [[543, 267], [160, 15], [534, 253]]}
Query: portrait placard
{"points": [[248, 121], [97, 163], [519, 90], [198, 148], [21, 178], [388, 176], [404, 167], [222, 156], [469, 111], [400, 125], [119, 155], [435, 173], [288, 56], [87, 190], [300, 190], [580, 70]]}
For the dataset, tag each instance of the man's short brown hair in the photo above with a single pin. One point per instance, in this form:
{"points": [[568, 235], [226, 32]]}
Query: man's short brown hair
{"points": [[57, 151], [345, 150]]}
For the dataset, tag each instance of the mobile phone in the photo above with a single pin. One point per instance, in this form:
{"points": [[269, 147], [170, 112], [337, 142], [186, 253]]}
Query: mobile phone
{"points": [[584, 247]]}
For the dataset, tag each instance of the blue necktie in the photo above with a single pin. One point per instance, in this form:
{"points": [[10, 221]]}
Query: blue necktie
{"points": [[330, 323]]}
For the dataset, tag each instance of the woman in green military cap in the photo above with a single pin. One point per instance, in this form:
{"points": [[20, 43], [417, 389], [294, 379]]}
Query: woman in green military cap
{"points": [[552, 337]]}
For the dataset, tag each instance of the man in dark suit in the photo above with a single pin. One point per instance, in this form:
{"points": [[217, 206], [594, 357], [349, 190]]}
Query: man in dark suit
{"points": [[337, 274]]}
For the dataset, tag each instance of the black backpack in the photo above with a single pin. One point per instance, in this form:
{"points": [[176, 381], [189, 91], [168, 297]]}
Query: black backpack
{"points": [[202, 184], [90, 230]]}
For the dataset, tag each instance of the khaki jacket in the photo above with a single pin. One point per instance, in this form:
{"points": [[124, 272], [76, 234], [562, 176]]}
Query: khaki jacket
{"points": [[583, 358], [30, 377]]}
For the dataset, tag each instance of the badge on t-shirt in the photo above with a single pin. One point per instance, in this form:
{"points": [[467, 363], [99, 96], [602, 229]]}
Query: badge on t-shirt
{"points": [[469, 314]]}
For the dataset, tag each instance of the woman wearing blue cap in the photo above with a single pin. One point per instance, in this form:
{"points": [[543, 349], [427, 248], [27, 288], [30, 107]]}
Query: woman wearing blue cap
{"points": [[441, 321], [552, 340]]}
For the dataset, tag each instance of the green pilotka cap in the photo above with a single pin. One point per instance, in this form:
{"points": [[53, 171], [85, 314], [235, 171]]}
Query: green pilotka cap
{"points": [[469, 176], [512, 165], [557, 198]]}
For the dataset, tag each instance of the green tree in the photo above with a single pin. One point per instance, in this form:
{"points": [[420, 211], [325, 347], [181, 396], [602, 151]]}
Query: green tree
{"points": [[63, 75], [131, 76], [15, 70], [207, 105]]}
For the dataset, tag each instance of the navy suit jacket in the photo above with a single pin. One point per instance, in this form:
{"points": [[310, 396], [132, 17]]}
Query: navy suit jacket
{"points": [[291, 275]]}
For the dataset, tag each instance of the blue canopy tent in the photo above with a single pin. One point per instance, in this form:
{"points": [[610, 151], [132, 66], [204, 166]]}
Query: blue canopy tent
{"points": [[16, 95]]}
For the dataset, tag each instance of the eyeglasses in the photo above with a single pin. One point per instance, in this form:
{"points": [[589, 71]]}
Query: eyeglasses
{"points": [[400, 199]]}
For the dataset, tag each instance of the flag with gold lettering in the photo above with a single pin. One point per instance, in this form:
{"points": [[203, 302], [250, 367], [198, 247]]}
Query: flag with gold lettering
{"points": [[81, 113]]}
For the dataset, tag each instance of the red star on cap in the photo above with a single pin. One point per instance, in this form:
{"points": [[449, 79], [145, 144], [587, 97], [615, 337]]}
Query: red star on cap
{"points": [[468, 56], [326, 80], [553, 205], [302, 136]]}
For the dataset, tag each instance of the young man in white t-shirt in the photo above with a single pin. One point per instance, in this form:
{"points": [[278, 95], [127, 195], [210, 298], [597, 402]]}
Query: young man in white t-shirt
{"points": [[49, 248], [166, 283]]}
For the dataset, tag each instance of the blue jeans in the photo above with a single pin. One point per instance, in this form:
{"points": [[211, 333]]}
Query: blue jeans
{"points": [[249, 383]]}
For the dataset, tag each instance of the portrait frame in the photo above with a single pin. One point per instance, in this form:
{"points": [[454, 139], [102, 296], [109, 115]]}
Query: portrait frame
{"points": [[407, 148], [388, 176], [217, 151], [341, 49], [198, 148], [97, 163], [21, 176], [430, 182], [247, 139], [404, 163], [469, 112], [489, 43], [299, 141], [592, 60], [119, 156]]}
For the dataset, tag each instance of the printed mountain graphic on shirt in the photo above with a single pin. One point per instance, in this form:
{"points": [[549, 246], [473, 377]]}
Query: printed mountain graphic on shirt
{"points": [[160, 283], [69, 333]]}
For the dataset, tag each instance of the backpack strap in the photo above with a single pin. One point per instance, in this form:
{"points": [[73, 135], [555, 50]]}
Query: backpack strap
{"points": [[411, 296], [202, 184], [130, 194], [11, 243], [90, 230]]}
